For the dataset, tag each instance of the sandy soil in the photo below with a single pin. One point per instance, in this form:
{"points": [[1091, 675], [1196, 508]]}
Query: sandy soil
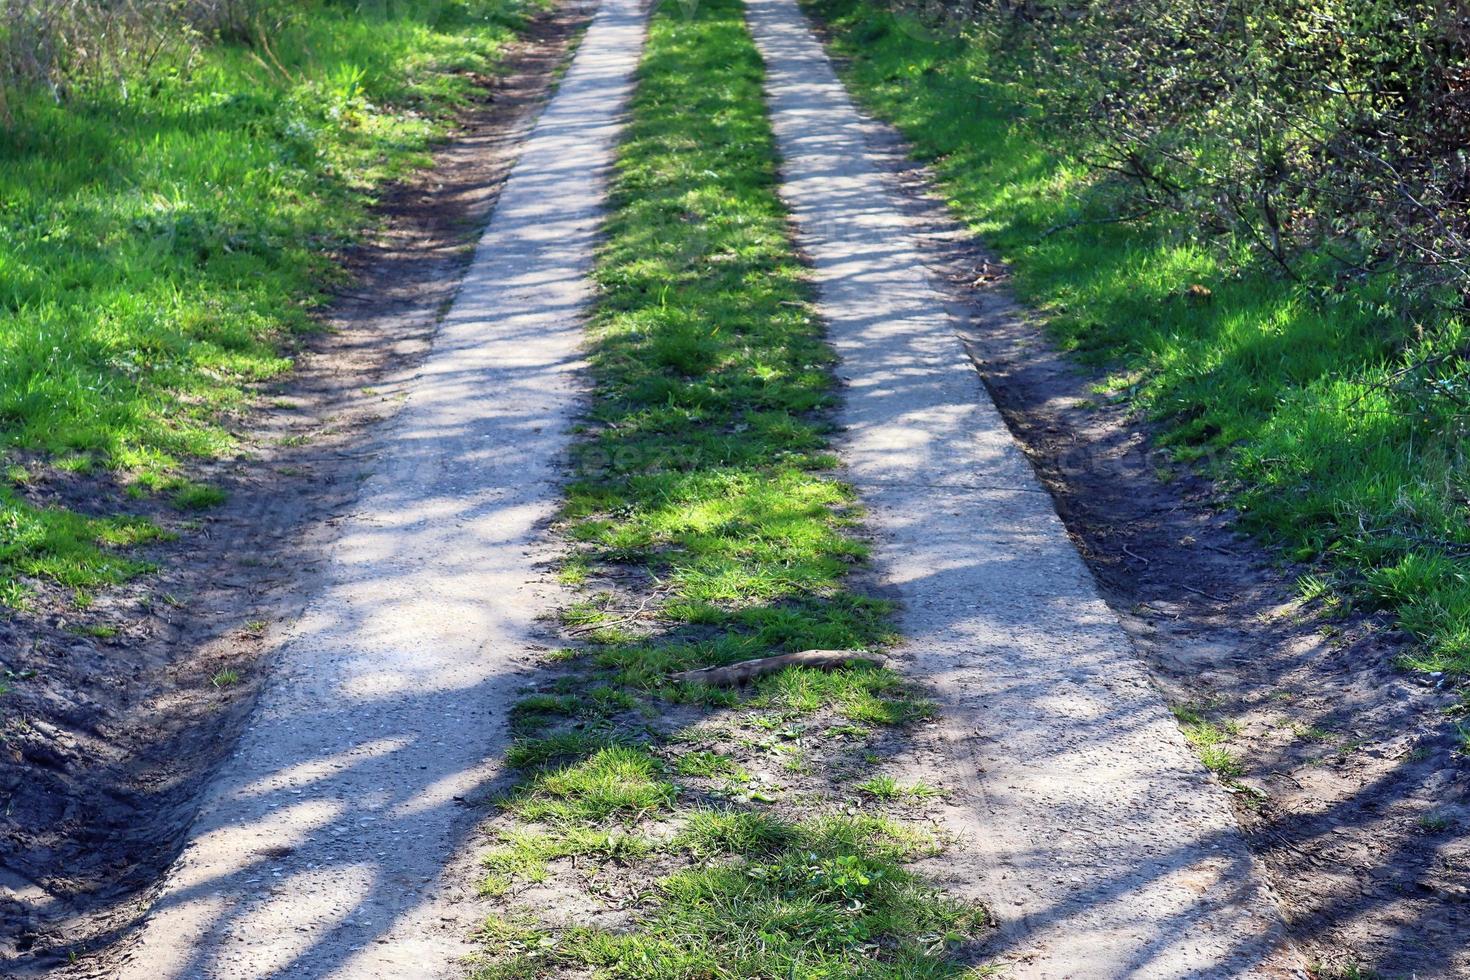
{"points": [[108, 742], [1354, 796]]}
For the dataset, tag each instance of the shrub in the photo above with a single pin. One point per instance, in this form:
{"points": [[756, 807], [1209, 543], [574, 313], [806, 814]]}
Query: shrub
{"points": [[65, 44], [1327, 134]]}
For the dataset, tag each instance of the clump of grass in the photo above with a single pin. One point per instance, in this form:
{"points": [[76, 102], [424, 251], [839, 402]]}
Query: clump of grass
{"points": [[1210, 741], [1313, 587], [1435, 823], [619, 780], [889, 789], [197, 496], [227, 677]]}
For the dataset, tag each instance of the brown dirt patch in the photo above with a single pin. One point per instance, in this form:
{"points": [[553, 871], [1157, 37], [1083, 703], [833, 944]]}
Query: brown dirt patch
{"points": [[106, 740]]}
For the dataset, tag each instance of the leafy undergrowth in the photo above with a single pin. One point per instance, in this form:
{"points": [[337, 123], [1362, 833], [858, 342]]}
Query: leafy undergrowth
{"points": [[163, 240], [668, 829], [1340, 432]]}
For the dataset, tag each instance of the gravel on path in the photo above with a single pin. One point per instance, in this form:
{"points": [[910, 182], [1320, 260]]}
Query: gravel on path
{"points": [[1087, 824], [322, 848]]}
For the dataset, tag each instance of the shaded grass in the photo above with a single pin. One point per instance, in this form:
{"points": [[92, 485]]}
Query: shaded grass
{"points": [[1288, 392], [162, 243], [1210, 740], [706, 527]]}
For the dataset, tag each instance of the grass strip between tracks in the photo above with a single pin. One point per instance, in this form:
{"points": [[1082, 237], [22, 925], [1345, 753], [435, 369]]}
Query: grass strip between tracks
{"points": [[662, 829]]}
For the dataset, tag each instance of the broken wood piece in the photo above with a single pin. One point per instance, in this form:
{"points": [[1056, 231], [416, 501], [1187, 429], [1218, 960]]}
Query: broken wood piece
{"points": [[748, 670]]}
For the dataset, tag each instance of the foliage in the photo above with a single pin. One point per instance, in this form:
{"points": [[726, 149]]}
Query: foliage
{"points": [[1310, 128]]}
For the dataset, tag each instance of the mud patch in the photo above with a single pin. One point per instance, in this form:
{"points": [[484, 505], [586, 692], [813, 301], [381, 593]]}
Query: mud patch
{"points": [[116, 714]]}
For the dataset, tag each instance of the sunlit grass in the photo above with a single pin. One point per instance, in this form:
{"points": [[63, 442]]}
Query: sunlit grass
{"points": [[163, 242], [707, 529], [821, 898]]}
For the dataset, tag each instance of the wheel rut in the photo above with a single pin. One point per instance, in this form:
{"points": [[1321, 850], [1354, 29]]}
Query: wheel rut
{"points": [[321, 848], [1087, 823]]}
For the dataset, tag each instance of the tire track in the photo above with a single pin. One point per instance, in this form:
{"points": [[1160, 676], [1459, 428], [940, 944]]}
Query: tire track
{"points": [[1089, 827], [321, 848]]}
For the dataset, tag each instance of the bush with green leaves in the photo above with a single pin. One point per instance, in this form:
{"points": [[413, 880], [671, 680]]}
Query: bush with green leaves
{"points": [[1328, 133]]}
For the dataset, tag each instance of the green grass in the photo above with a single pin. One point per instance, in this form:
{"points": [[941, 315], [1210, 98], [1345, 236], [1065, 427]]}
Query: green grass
{"points": [[228, 677], [707, 764], [194, 496], [706, 528], [617, 781], [1435, 823], [1211, 741], [70, 549], [162, 247], [789, 900], [1286, 391], [889, 789], [525, 855]]}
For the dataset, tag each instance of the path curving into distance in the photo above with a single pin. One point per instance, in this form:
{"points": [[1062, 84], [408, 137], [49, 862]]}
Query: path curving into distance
{"points": [[321, 848], [1088, 825]]}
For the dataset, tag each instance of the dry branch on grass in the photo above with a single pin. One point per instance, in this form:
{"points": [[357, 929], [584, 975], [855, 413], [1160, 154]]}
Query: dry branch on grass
{"points": [[749, 670]]}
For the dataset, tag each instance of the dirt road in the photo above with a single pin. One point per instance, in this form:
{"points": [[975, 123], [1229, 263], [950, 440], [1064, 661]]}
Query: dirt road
{"points": [[322, 847], [1091, 829], [333, 843]]}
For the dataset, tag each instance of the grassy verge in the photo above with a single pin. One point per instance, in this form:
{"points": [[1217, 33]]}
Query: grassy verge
{"points": [[661, 829], [163, 240], [1335, 442]]}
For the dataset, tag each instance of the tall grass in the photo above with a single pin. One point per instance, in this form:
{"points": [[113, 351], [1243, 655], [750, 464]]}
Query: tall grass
{"points": [[163, 242]]}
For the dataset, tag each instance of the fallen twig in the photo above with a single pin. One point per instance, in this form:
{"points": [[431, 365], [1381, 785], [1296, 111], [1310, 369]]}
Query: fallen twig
{"points": [[749, 670]]}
